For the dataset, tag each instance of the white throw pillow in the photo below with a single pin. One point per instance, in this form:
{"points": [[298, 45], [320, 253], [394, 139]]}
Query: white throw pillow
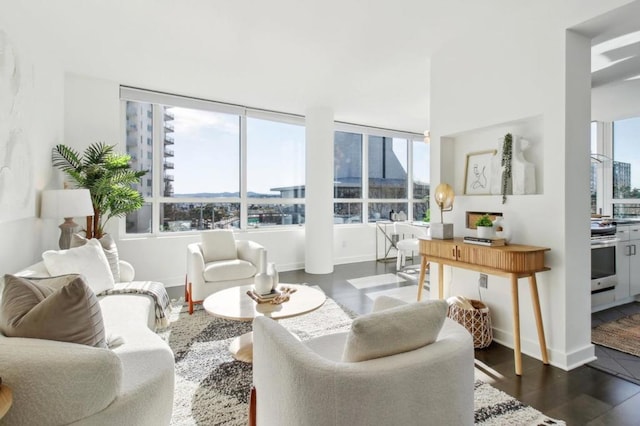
{"points": [[110, 250], [218, 245], [394, 330], [88, 260]]}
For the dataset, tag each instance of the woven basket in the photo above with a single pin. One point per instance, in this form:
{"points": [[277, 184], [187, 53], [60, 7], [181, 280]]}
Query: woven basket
{"points": [[477, 321]]}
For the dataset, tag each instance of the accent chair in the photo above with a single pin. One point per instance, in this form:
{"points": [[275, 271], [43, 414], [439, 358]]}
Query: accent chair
{"points": [[402, 364], [219, 261]]}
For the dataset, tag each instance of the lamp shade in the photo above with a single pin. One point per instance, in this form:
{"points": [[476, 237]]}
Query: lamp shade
{"points": [[58, 203], [444, 196]]}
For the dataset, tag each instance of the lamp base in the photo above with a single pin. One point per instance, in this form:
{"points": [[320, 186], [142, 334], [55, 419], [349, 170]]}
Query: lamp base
{"points": [[66, 231], [441, 231]]}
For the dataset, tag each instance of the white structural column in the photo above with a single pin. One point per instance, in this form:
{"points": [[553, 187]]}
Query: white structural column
{"points": [[319, 191]]}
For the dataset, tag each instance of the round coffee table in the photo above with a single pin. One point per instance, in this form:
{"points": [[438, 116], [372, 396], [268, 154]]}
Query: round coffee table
{"points": [[234, 304]]}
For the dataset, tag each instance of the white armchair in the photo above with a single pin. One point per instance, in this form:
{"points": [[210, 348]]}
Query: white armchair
{"points": [[219, 261], [310, 383]]}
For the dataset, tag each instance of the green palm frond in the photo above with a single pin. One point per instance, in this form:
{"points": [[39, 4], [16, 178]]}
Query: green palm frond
{"points": [[108, 176]]}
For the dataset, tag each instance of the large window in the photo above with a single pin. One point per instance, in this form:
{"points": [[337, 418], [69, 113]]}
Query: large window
{"points": [[392, 186], [626, 167], [193, 152], [212, 165]]}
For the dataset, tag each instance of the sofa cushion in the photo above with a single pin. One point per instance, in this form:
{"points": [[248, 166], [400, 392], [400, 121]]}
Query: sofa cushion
{"points": [[226, 270], [394, 330], [88, 260], [59, 308], [110, 251], [218, 245]]}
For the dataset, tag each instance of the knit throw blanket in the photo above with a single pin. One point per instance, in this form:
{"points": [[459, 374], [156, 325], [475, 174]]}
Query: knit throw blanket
{"points": [[150, 288]]}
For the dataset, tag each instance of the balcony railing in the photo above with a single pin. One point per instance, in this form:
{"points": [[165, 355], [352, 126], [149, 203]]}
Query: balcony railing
{"points": [[168, 127], [169, 153], [169, 178], [169, 140], [168, 165], [168, 115]]}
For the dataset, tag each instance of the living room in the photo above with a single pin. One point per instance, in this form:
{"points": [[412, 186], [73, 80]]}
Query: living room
{"points": [[514, 68]]}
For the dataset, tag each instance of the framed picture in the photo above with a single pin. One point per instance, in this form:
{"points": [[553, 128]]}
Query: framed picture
{"points": [[477, 172]]}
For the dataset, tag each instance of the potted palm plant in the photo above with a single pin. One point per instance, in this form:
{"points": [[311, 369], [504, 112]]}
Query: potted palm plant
{"points": [[109, 178]]}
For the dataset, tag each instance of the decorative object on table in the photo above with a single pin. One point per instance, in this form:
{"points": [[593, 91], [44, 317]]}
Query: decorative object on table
{"points": [[401, 216], [272, 272], [67, 204], [444, 196], [473, 216], [523, 172], [109, 178], [262, 282], [501, 227], [474, 316], [477, 172], [484, 227], [275, 297], [490, 242]]}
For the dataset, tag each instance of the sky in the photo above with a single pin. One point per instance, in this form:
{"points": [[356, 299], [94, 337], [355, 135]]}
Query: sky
{"points": [[626, 146], [207, 156], [206, 149]]}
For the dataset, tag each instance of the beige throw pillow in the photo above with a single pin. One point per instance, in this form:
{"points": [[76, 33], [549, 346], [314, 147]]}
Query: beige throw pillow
{"points": [[60, 308], [218, 245], [88, 260], [110, 250], [394, 330]]}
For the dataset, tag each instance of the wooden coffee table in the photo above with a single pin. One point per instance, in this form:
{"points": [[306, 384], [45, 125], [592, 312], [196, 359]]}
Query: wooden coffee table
{"points": [[234, 304]]}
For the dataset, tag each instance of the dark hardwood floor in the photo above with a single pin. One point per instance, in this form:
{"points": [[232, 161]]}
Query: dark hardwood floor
{"points": [[583, 396]]}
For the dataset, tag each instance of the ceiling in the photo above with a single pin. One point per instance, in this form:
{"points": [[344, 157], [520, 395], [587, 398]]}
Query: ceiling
{"points": [[369, 60]]}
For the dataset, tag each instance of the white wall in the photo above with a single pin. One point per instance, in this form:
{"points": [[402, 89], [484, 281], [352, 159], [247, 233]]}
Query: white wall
{"points": [[92, 114], [514, 77], [28, 131]]}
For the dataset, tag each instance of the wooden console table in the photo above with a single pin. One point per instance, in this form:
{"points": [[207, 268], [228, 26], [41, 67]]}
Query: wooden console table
{"points": [[512, 261]]}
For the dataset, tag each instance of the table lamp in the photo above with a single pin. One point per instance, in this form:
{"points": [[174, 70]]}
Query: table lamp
{"points": [[444, 199], [66, 203]]}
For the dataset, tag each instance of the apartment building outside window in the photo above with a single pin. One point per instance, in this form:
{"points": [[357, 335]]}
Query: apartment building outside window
{"points": [[215, 165], [626, 167]]}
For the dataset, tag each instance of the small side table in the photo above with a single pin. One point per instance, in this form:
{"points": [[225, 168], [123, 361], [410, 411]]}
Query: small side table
{"points": [[6, 399]]}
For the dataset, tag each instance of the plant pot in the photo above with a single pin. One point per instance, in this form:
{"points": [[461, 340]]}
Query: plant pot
{"points": [[485, 232]]}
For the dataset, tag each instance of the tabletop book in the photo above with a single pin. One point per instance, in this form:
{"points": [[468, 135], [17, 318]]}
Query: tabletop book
{"points": [[492, 242]]}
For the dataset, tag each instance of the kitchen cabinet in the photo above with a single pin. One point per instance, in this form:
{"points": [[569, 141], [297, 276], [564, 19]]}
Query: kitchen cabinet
{"points": [[627, 261]]}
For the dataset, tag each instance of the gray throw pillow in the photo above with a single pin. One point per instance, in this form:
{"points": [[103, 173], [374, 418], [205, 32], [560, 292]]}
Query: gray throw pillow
{"points": [[394, 330], [110, 250], [59, 308]]}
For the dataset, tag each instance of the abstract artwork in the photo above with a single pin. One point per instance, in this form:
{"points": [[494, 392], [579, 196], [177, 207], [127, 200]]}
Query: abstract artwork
{"points": [[16, 175], [477, 172]]}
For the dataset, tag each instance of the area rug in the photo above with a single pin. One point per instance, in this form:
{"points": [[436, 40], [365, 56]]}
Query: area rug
{"points": [[213, 389], [622, 334]]}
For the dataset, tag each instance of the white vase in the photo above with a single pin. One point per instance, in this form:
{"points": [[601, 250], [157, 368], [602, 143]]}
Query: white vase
{"points": [[272, 272], [262, 283], [485, 232], [501, 228]]}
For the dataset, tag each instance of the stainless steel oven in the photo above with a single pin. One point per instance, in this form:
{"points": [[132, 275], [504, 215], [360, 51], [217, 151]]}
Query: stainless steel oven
{"points": [[603, 257]]}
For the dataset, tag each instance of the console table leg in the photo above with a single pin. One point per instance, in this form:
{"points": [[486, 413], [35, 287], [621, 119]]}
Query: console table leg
{"points": [[516, 325], [423, 272], [536, 310]]}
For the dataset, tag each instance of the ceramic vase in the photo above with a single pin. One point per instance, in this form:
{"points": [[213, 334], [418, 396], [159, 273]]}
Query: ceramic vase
{"points": [[262, 281], [272, 272], [501, 228]]}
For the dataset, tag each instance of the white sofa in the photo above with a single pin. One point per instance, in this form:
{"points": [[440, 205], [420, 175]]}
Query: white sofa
{"points": [[59, 383]]}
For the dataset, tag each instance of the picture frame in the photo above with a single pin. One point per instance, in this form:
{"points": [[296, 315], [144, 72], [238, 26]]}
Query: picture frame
{"points": [[477, 172]]}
